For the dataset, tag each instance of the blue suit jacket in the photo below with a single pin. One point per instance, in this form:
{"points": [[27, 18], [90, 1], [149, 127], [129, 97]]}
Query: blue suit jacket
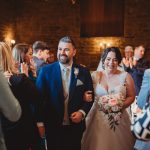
{"points": [[144, 94], [137, 73], [49, 83]]}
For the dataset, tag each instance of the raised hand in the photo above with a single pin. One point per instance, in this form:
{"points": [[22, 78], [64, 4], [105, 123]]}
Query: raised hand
{"points": [[24, 69], [33, 68], [126, 62]]}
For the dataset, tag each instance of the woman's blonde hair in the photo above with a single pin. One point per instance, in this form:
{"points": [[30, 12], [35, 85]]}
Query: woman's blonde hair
{"points": [[19, 51], [6, 59]]}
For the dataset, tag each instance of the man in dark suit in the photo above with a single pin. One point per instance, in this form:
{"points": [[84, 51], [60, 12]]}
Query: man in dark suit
{"points": [[63, 92], [139, 65]]}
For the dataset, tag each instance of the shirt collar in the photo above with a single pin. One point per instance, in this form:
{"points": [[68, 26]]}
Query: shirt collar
{"points": [[135, 58], [64, 66]]}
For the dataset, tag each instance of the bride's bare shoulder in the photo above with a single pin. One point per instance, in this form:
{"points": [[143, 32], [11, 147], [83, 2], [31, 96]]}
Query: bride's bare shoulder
{"points": [[96, 75]]}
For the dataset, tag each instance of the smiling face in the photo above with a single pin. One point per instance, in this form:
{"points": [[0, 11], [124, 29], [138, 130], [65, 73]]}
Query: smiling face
{"points": [[111, 62], [128, 52], [65, 53]]}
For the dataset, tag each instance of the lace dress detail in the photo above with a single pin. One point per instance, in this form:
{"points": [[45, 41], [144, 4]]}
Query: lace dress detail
{"points": [[98, 135]]}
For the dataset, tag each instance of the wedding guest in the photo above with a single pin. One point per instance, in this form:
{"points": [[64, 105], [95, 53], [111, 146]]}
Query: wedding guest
{"points": [[127, 61], [9, 106], [23, 134], [22, 54], [62, 85], [144, 96], [40, 54], [138, 68], [127, 64], [51, 58], [108, 123], [139, 64]]}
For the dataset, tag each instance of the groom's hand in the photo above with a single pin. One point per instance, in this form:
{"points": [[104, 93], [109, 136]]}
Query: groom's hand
{"points": [[76, 117]]}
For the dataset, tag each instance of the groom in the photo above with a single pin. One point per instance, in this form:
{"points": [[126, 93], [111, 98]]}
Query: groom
{"points": [[62, 85]]}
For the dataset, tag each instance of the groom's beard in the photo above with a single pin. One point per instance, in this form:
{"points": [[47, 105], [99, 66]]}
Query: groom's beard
{"points": [[64, 59]]}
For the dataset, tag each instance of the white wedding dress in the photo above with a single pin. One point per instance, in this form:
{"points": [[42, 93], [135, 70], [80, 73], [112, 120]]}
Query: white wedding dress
{"points": [[98, 135]]}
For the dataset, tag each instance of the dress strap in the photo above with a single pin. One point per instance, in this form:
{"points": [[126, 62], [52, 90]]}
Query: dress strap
{"points": [[96, 76], [123, 78]]}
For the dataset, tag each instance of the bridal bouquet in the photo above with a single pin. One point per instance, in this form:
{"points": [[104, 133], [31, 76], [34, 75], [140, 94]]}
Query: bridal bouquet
{"points": [[111, 105]]}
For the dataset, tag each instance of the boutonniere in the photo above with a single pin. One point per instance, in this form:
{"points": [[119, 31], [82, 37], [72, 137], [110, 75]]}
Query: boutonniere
{"points": [[76, 71]]}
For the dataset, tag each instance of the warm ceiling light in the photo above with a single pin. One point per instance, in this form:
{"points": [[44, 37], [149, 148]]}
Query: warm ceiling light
{"points": [[73, 1], [12, 41]]}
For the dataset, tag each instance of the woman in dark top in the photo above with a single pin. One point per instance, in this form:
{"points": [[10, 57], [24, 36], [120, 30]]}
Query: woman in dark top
{"points": [[23, 134], [22, 54]]}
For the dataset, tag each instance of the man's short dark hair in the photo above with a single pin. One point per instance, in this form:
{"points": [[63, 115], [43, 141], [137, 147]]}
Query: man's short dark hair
{"points": [[39, 45], [67, 39]]}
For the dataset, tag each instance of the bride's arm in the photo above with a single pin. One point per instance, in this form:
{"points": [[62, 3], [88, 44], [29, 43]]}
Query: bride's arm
{"points": [[130, 95], [95, 78]]}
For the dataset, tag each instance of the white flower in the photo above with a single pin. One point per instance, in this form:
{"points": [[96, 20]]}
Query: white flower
{"points": [[76, 71]]}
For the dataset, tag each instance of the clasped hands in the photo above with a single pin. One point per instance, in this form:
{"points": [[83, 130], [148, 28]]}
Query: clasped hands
{"points": [[128, 62]]}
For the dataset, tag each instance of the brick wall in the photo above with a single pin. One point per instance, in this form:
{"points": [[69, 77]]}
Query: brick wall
{"points": [[48, 20]]}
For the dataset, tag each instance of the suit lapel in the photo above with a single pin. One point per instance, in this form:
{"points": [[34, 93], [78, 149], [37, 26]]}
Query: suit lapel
{"points": [[59, 81], [72, 82]]}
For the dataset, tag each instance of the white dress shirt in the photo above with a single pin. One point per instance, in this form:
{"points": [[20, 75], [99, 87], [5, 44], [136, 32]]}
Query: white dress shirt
{"points": [[66, 85]]}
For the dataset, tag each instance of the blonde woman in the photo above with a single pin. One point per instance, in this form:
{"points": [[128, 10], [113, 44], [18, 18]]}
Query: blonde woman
{"points": [[25, 130], [22, 54]]}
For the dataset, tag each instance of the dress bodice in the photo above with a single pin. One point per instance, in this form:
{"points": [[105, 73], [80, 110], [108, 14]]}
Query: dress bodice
{"points": [[116, 88]]}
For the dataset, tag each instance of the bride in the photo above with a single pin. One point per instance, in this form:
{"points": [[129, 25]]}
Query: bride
{"points": [[104, 131]]}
